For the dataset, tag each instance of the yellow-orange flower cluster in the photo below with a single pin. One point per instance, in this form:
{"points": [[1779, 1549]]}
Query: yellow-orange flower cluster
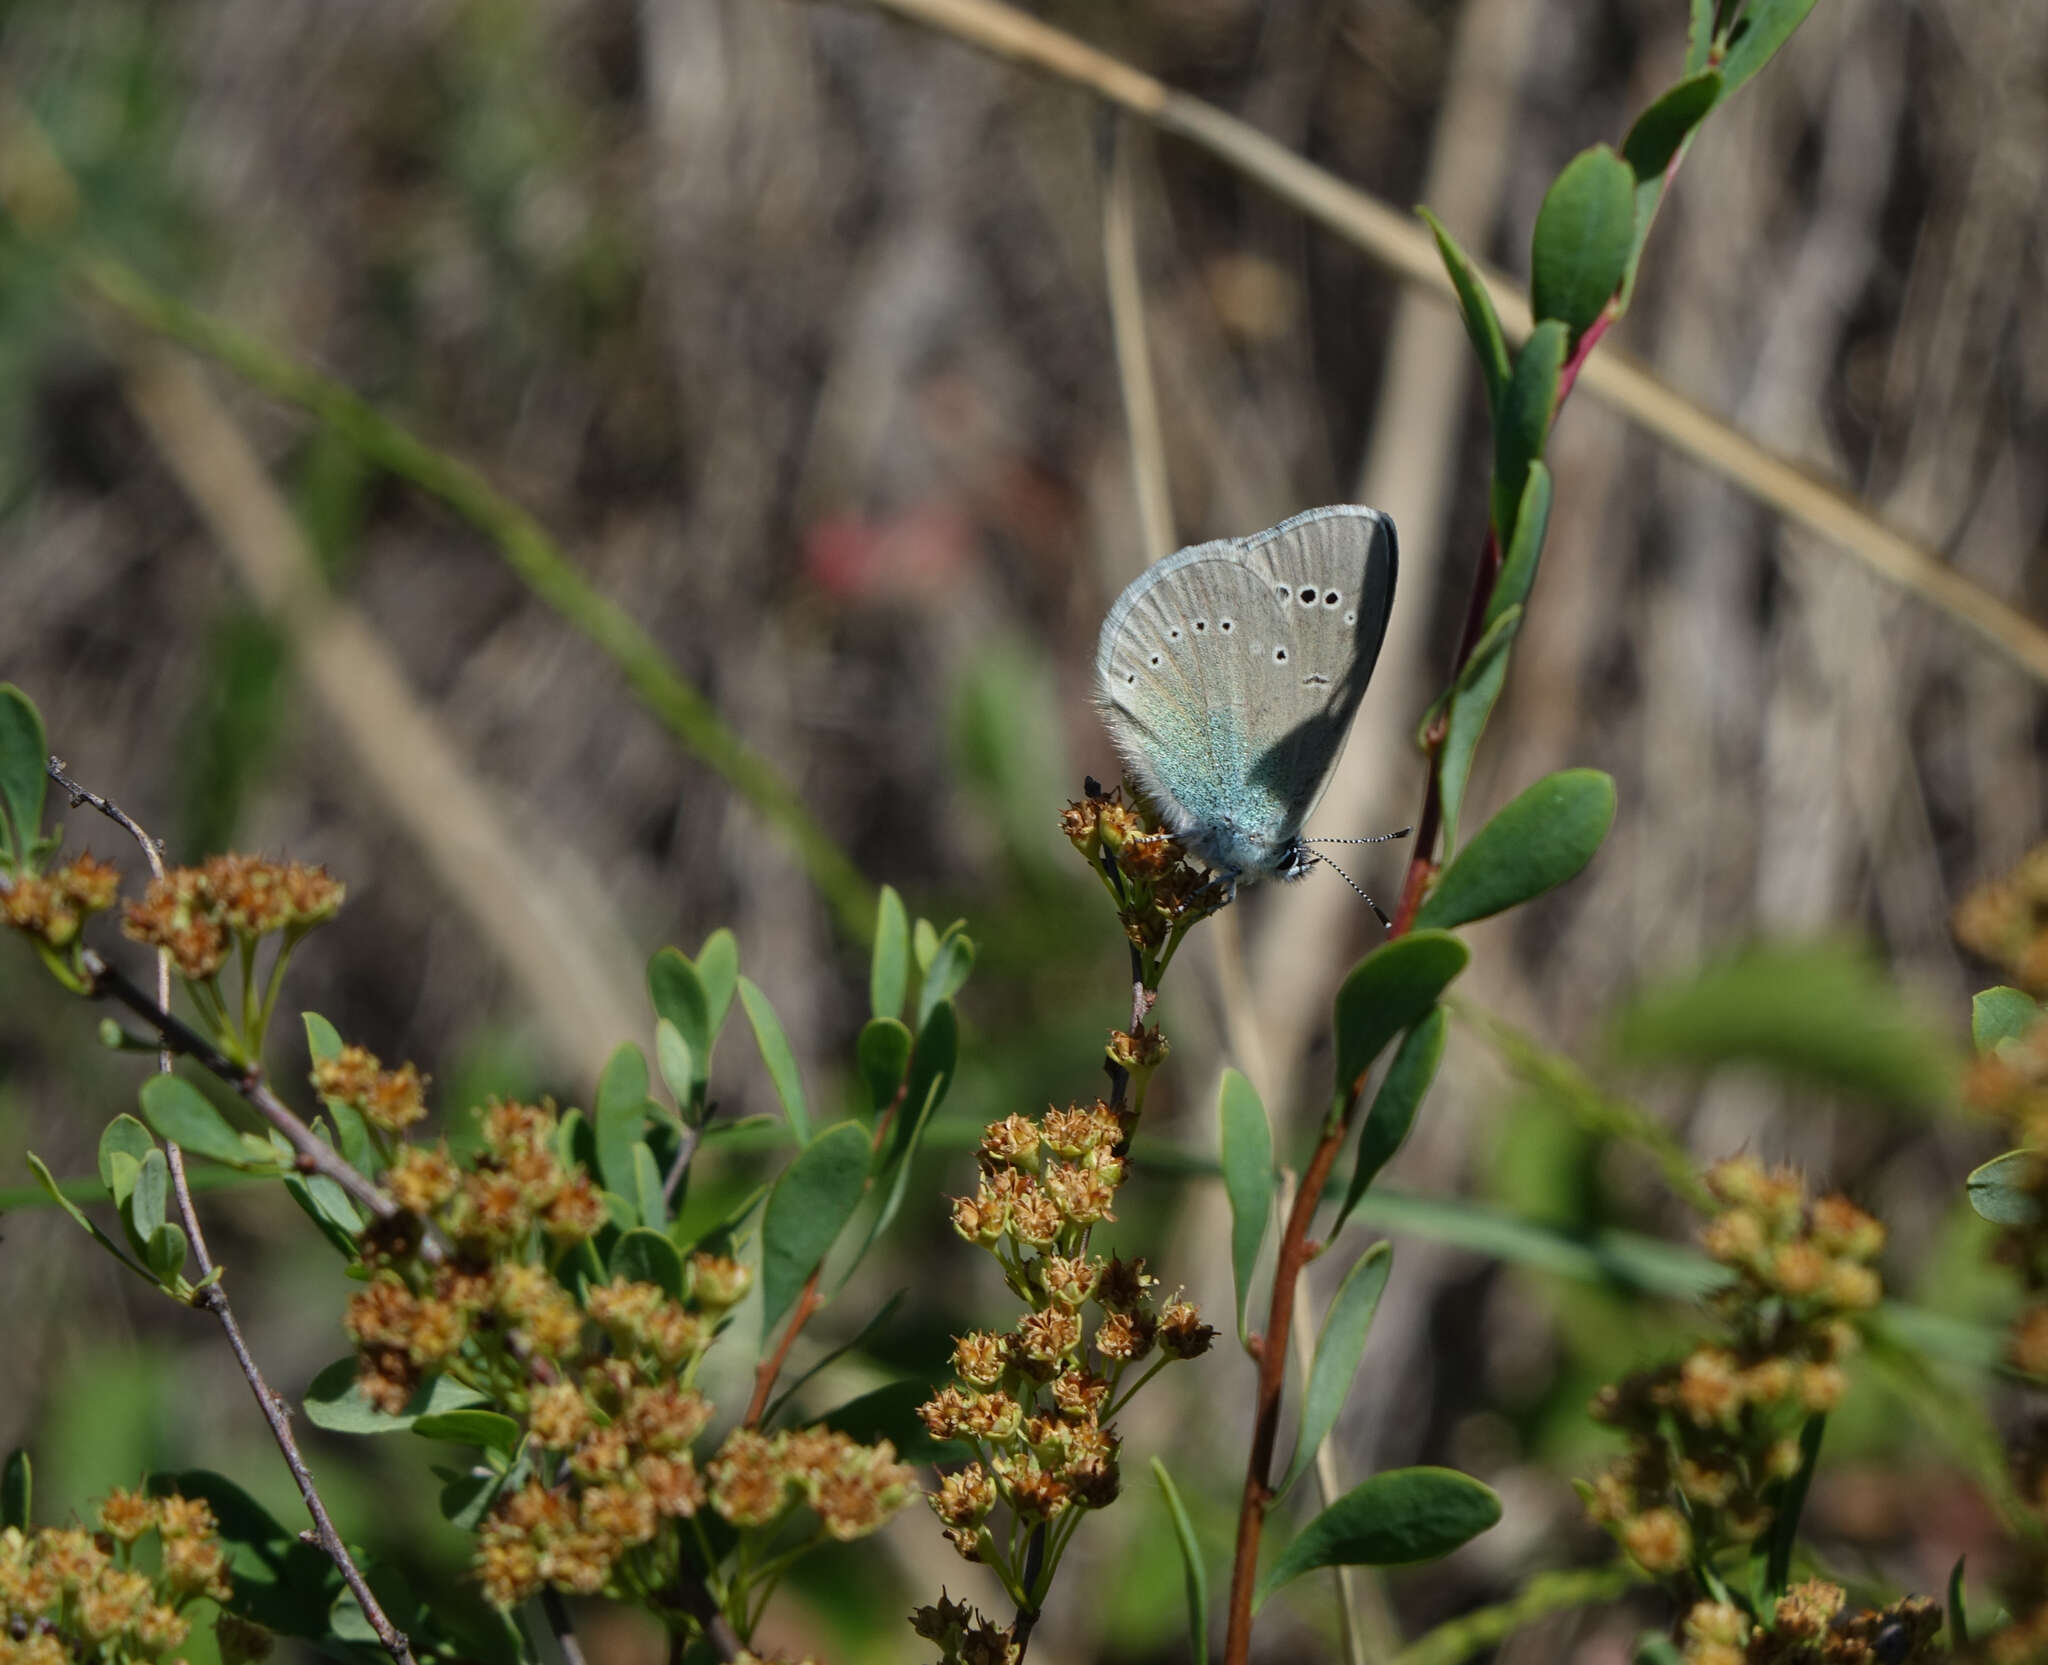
{"points": [[2005, 921], [201, 913], [1711, 1433], [1030, 1402], [1808, 1627], [53, 906], [390, 1099], [70, 1594], [963, 1634], [1158, 891]]}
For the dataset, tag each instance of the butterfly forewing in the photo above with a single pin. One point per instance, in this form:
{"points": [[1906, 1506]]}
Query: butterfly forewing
{"points": [[1230, 672]]}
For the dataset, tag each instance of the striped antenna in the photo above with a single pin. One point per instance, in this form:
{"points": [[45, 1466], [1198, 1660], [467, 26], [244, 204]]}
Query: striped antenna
{"points": [[1349, 880]]}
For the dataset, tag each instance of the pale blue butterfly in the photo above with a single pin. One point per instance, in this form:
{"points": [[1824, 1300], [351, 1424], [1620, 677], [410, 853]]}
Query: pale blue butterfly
{"points": [[1228, 675]]}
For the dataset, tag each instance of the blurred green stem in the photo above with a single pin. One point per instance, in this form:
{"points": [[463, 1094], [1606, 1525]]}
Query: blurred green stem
{"points": [[526, 547], [1470, 1634]]}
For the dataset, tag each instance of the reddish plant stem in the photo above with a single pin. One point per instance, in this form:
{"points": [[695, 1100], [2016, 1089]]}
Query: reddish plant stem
{"points": [[1296, 1251], [771, 1367]]}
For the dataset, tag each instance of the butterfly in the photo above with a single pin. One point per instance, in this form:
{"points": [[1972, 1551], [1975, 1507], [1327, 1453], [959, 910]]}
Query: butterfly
{"points": [[1228, 675]]}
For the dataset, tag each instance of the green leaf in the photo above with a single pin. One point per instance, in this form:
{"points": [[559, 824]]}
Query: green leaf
{"points": [[620, 1116], [335, 1402], [673, 1058], [679, 995], [889, 975], [145, 1209], [1523, 424], [327, 1205], [1394, 1105], [883, 1052], [1478, 686], [1819, 1013], [648, 1195], [1245, 1140], [924, 943], [1518, 571], [123, 1171], [2001, 1014], [1193, 1571], [644, 1256], [1763, 28], [1393, 1519], [492, 1430], [932, 1064], [467, 1498], [1482, 323], [718, 972], [1699, 36], [1653, 142], [17, 1490], [807, 1210], [164, 1253], [180, 1112], [49, 1183], [2007, 1189], [950, 963], [1390, 990], [323, 1040], [1584, 232], [860, 1338], [1788, 1503], [1544, 837], [127, 1137], [24, 755], [1338, 1350], [776, 1054]]}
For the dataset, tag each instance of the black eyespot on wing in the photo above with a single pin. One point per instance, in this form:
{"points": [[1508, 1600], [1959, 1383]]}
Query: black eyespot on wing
{"points": [[1155, 658], [1308, 596], [1223, 624], [1280, 656], [1331, 598], [1201, 624]]}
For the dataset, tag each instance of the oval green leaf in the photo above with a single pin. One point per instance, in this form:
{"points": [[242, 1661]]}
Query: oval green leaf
{"points": [[1818, 1013], [718, 974], [678, 1067], [1544, 837], [1394, 1105], [889, 972], [1338, 1351], [947, 971], [1523, 424], [24, 755], [679, 994], [334, 1402], [492, 1430], [649, 1196], [2001, 1014], [1245, 1143], [1584, 231], [620, 1116], [1518, 571], [883, 1053], [1471, 703], [180, 1113], [644, 1256], [1393, 1519], [323, 1040], [164, 1253], [1658, 132], [147, 1201], [778, 1056], [1390, 990], [807, 1210], [2007, 1189], [127, 1137]]}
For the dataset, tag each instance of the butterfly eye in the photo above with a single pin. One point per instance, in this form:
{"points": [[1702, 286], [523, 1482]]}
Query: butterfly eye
{"points": [[1332, 599], [1308, 598]]}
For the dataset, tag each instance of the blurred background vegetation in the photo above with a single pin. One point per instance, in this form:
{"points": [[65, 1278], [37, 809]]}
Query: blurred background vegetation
{"points": [[788, 321]]}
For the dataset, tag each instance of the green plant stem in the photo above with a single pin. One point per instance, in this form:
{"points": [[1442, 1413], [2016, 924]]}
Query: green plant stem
{"points": [[526, 547], [1459, 1639]]}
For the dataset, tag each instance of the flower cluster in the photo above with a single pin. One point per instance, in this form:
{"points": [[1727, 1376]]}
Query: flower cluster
{"points": [[2005, 921], [70, 1594], [1029, 1401], [598, 1371], [963, 1634], [51, 907], [1710, 1434], [391, 1100], [1159, 893], [1808, 1627], [200, 914]]}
